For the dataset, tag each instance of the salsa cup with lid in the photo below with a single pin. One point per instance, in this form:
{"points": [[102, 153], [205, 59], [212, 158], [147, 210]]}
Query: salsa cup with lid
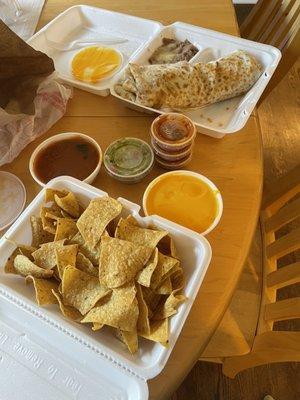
{"points": [[70, 153], [173, 131], [128, 159]]}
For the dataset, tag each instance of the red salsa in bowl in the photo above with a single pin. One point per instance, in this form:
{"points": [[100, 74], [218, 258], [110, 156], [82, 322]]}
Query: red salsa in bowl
{"points": [[71, 154]]}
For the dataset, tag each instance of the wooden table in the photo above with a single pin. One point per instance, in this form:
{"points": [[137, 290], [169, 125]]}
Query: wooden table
{"points": [[234, 163]]}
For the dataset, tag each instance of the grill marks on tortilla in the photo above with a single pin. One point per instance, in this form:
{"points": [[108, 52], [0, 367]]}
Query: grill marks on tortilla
{"points": [[183, 85]]}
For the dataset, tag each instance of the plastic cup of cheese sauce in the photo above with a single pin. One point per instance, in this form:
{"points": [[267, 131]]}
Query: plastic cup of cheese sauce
{"points": [[186, 198]]}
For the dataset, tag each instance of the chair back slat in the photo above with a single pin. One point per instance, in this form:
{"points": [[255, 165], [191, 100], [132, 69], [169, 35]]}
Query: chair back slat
{"points": [[291, 39], [283, 310], [286, 214], [276, 21], [284, 245], [285, 26], [284, 276], [260, 15], [284, 190]]}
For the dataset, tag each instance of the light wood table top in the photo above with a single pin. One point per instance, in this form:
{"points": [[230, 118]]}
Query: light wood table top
{"points": [[234, 163]]}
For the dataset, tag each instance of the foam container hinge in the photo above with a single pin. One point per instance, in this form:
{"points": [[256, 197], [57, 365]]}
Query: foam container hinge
{"points": [[62, 358]]}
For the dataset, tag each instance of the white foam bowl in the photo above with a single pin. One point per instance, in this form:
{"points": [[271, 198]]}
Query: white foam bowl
{"points": [[201, 178], [57, 138]]}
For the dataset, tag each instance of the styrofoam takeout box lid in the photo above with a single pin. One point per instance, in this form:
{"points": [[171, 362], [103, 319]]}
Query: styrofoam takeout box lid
{"points": [[66, 360], [85, 22], [227, 116]]}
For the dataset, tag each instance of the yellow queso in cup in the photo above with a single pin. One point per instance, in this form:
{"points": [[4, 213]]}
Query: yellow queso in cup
{"points": [[185, 197]]}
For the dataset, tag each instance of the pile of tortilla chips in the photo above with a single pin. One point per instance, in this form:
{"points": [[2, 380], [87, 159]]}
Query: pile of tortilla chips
{"points": [[100, 271]]}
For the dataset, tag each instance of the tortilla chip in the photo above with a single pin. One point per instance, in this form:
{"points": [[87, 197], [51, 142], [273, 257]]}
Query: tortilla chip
{"points": [[53, 212], [85, 265], [65, 229], [49, 194], [39, 236], [45, 256], [43, 289], [130, 339], [48, 223], [55, 217], [67, 311], [159, 332], [151, 298], [66, 215], [25, 267], [177, 280], [96, 217], [120, 310], [120, 261], [93, 254], [165, 287], [167, 247], [132, 220], [27, 250], [69, 204], [96, 326], [81, 290], [164, 266], [143, 324], [9, 265], [144, 276], [65, 256], [142, 236], [169, 307]]}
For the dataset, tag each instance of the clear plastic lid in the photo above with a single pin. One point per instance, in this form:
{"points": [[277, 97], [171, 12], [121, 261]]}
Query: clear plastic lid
{"points": [[12, 198], [128, 159]]}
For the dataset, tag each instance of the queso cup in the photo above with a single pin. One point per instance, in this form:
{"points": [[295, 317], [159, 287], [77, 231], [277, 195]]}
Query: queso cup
{"points": [[201, 178], [57, 138]]}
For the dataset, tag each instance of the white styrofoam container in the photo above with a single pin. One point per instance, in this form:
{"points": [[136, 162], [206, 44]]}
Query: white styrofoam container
{"points": [[66, 360], [227, 116], [83, 23], [144, 36]]}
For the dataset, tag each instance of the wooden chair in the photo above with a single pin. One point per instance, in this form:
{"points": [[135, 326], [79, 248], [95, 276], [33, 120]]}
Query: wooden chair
{"points": [[280, 208], [245, 336], [275, 22]]}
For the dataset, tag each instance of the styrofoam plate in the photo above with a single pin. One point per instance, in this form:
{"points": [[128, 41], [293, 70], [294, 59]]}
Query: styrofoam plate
{"points": [[106, 358]]}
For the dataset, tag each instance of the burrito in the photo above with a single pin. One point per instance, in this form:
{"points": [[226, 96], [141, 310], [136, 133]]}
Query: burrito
{"points": [[183, 85]]}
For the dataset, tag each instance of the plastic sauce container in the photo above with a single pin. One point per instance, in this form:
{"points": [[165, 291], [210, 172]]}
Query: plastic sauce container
{"points": [[173, 132], [128, 159], [171, 156], [185, 197]]}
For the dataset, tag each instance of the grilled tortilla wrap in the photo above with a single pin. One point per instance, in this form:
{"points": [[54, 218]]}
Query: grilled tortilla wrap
{"points": [[184, 85]]}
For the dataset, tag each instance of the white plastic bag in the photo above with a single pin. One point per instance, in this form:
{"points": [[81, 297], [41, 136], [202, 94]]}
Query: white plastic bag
{"points": [[18, 130]]}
